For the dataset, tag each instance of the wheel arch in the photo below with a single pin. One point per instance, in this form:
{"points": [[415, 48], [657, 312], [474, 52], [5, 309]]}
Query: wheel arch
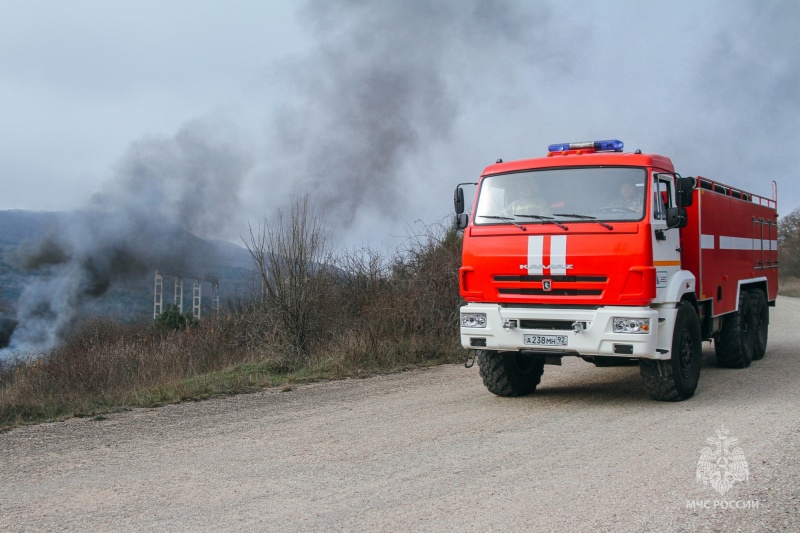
{"points": [[754, 284], [681, 286]]}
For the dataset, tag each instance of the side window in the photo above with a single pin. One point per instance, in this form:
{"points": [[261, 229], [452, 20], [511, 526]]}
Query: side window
{"points": [[662, 198]]}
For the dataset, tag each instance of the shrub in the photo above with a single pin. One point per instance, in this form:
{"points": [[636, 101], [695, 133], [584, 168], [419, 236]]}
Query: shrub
{"points": [[171, 319]]}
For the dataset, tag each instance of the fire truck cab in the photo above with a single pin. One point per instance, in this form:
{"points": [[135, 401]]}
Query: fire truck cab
{"points": [[613, 257]]}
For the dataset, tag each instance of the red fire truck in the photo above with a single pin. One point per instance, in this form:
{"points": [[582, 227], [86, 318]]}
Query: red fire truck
{"points": [[613, 257]]}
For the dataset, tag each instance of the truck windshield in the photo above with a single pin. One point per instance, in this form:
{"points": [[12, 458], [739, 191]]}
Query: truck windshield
{"points": [[584, 194]]}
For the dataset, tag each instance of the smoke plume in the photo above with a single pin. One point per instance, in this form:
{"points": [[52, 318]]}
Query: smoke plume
{"points": [[164, 190], [386, 84]]}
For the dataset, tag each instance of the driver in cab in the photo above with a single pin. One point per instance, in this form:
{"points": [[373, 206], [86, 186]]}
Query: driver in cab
{"points": [[529, 201], [629, 203], [630, 197]]}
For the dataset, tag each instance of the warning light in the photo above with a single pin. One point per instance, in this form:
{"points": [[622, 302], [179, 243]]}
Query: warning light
{"points": [[612, 145]]}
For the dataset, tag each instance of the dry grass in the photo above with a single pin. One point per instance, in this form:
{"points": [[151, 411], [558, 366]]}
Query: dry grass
{"points": [[371, 315], [120, 368], [789, 287]]}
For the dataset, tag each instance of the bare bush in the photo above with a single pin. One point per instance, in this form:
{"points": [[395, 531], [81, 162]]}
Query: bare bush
{"points": [[399, 309], [428, 272], [363, 299], [291, 255]]}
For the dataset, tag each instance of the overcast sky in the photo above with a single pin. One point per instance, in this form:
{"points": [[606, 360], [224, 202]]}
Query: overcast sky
{"points": [[377, 109]]}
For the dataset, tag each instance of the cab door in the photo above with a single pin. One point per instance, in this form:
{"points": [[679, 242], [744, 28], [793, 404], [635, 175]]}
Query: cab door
{"points": [[666, 241]]}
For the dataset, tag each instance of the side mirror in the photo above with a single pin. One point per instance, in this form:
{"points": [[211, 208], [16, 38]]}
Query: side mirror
{"points": [[462, 221], [458, 200], [676, 217], [685, 188]]}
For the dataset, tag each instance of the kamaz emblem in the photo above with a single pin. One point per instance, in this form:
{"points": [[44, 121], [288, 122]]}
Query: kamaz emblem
{"points": [[542, 267], [538, 260], [547, 285]]}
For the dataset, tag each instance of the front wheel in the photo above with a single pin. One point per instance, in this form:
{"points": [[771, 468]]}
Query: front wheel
{"points": [[676, 379], [510, 373]]}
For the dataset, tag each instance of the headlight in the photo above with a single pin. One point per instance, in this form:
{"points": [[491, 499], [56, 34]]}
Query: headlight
{"points": [[473, 320], [631, 325]]}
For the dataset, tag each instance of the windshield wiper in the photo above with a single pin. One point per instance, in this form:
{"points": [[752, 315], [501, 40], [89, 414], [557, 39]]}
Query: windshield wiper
{"points": [[507, 219], [545, 220], [584, 217]]}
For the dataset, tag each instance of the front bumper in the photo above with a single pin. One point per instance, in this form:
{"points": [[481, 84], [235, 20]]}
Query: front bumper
{"points": [[596, 339]]}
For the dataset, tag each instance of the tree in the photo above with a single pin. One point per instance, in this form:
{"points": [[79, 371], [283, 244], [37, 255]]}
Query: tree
{"points": [[789, 244], [292, 257]]}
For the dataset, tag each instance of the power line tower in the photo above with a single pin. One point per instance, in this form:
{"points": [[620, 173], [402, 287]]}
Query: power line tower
{"points": [[177, 298]]}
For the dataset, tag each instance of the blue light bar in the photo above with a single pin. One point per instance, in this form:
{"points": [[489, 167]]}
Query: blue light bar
{"points": [[558, 147], [612, 145]]}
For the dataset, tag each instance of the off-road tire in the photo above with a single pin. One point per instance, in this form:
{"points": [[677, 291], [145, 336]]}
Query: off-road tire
{"points": [[510, 373], [760, 310], [735, 342], [676, 379]]}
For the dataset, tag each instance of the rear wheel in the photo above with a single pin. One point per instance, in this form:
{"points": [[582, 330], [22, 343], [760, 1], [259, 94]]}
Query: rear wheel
{"points": [[676, 379], [510, 373], [761, 323], [735, 342]]}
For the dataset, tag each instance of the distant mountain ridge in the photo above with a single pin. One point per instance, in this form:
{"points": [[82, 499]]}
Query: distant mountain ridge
{"points": [[130, 300], [18, 226]]}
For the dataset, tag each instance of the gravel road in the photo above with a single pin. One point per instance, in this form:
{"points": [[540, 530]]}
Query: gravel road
{"points": [[426, 450]]}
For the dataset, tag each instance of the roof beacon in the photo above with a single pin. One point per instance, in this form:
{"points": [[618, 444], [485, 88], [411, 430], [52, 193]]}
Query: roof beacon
{"points": [[612, 145]]}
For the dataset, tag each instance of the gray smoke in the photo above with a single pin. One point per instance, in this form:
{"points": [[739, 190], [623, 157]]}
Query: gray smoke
{"points": [[742, 100], [387, 82], [163, 192]]}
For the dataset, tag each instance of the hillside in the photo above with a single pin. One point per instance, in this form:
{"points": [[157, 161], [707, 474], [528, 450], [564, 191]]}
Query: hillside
{"points": [[128, 300]]}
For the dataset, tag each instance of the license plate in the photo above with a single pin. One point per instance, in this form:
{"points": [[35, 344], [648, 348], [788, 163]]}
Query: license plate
{"points": [[545, 340]]}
